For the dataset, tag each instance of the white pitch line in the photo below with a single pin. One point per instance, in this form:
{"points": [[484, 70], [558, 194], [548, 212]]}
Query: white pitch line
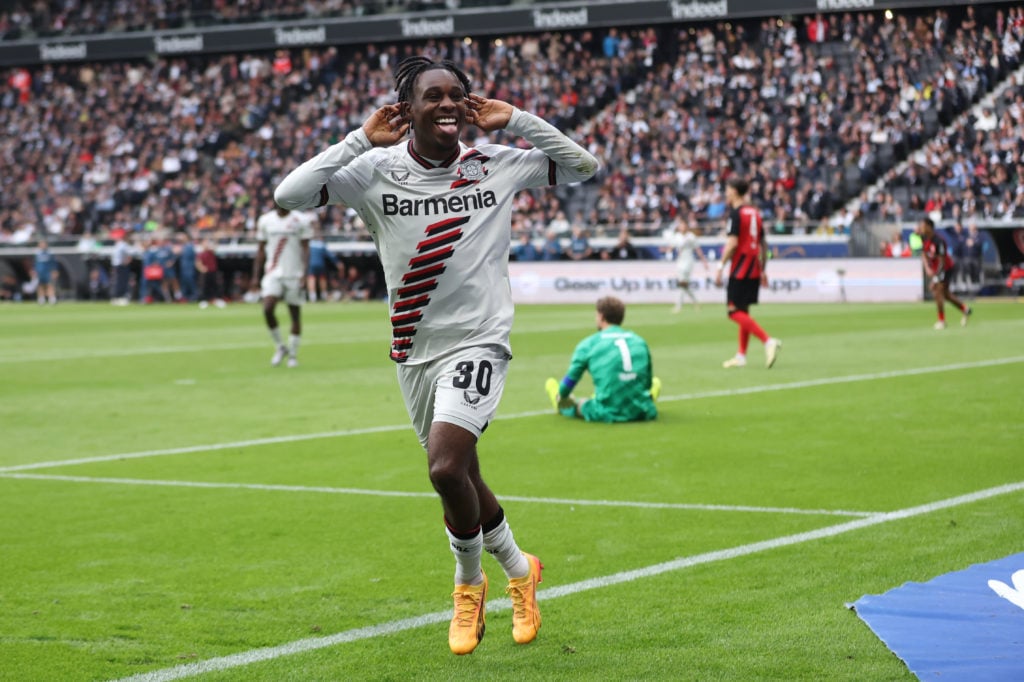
{"points": [[827, 381], [203, 448], [433, 495], [60, 355], [313, 643]]}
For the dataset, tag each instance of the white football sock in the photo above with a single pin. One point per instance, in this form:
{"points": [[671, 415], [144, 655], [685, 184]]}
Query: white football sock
{"points": [[500, 544], [275, 334], [293, 344], [467, 555]]}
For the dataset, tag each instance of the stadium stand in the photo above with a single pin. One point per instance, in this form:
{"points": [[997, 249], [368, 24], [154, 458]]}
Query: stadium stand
{"points": [[46, 19], [811, 123], [973, 168], [840, 118], [197, 142]]}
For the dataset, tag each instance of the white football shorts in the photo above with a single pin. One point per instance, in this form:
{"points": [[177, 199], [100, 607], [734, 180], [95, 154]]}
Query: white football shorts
{"points": [[684, 269], [287, 289], [463, 388]]}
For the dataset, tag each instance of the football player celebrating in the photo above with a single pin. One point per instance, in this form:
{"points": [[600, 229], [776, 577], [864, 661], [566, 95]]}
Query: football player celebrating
{"points": [[439, 212], [938, 266]]}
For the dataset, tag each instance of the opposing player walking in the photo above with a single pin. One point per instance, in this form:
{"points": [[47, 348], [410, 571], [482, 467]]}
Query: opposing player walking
{"points": [[747, 252], [439, 213]]}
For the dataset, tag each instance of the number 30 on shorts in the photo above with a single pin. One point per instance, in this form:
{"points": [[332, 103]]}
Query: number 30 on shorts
{"points": [[465, 379]]}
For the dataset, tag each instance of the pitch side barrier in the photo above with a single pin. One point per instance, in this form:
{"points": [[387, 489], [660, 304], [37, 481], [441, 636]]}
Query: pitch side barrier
{"points": [[422, 25], [804, 280], [804, 268]]}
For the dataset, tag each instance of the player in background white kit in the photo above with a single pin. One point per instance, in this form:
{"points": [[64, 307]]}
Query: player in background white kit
{"points": [[683, 241], [283, 247], [440, 214]]}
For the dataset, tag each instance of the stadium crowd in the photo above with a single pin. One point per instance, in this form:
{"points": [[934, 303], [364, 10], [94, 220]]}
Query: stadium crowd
{"points": [[24, 19], [812, 123], [199, 143], [974, 169], [813, 112]]}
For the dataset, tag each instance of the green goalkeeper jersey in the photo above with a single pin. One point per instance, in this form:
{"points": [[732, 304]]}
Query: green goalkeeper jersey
{"points": [[619, 363]]}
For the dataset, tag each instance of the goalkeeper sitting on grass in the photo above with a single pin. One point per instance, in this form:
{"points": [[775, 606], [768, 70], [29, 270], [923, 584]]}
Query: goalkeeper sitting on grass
{"points": [[619, 362]]}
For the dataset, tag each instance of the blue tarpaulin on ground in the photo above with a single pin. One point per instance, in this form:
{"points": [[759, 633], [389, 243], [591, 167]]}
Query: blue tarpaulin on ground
{"points": [[966, 626]]}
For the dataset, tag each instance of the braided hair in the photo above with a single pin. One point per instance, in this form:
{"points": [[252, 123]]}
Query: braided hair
{"points": [[410, 68]]}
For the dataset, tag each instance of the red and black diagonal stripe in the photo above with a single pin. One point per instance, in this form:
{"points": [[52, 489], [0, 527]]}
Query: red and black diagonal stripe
{"points": [[746, 266], [419, 280]]}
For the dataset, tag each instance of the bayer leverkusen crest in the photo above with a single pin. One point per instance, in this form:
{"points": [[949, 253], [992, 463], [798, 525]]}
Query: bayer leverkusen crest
{"points": [[472, 170]]}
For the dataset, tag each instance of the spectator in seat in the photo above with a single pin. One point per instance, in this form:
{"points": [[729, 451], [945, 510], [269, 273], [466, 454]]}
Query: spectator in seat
{"points": [[974, 249], [622, 250], [354, 286], [579, 245], [552, 248], [896, 247], [525, 250]]}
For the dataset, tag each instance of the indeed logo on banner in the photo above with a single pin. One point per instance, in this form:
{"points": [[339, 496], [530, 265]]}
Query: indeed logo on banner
{"points": [[300, 36], [427, 27], [845, 4], [54, 53], [557, 18], [699, 10], [178, 44]]}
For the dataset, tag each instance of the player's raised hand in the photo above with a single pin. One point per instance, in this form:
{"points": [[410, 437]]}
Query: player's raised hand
{"points": [[488, 114], [386, 126]]}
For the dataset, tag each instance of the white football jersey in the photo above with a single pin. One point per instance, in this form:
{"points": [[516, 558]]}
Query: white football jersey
{"points": [[283, 236], [443, 233], [684, 244]]}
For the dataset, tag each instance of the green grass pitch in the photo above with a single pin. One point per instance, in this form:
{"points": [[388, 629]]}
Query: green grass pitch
{"points": [[172, 505]]}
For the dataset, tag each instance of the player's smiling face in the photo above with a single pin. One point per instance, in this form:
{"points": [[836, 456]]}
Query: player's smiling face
{"points": [[438, 113]]}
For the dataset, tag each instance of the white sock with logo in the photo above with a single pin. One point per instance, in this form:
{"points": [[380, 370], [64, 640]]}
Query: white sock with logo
{"points": [[467, 553], [500, 544]]}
